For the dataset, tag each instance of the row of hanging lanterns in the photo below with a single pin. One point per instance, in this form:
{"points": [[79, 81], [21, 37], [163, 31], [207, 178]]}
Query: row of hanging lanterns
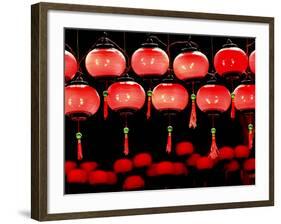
{"points": [[126, 96]]}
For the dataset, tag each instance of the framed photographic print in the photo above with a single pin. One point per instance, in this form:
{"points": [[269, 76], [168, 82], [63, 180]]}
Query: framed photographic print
{"points": [[138, 111]]}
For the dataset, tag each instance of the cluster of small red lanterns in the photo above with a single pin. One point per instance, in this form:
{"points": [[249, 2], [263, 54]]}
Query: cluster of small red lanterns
{"points": [[139, 171], [107, 61]]}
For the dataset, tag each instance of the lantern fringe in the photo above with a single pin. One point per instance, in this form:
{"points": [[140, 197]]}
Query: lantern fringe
{"points": [[232, 112], [193, 117], [250, 135], [79, 146], [148, 112], [169, 139], [214, 152], [126, 141], [105, 105]]}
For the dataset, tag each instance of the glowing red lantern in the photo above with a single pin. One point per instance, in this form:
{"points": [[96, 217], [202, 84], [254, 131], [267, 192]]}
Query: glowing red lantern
{"points": [[81, 101], [142, 160], [184, 148], [188, 66], [232, 166], [204, 163], [191, 65], [70, 65], [169, 97], [252, 62], [226, 153], [125, 97], [249, 164], [122, 166], [245, 101], [77, 176], [213, 99], [89, 166], [134, 182], [69, 165], [98, 177], [150, 61], [230, 60], [105, 62], [241, 152], [192, 160], [164, 168]]}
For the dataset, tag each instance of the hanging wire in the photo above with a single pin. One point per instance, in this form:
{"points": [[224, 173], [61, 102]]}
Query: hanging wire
{"points": [[212, 55]]}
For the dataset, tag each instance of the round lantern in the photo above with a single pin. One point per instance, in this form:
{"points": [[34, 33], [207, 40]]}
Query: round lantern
{"points": [[245, 101], [249, 164], [169, 98], [213, 99], [231, 166], [70, 65], [252, 62], [69, 165], [134, 182], [188, 66], [241, 152], [89, 166], [142, 160], [125, 97], [226, 153], [105, 62], [98, 177], [77, 176], [122, 166], [180, 169], [81, 101], [150, 60], [230, 60], [164, 168], [192, 160], [184, 148]]}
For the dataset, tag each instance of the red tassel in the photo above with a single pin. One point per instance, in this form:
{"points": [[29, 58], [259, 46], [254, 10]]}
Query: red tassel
{"points": [[250, 136], [148, 112], [105, 105], [169, 139], [193, 117], [214, 152], [126, 141], [232, 112], [79, 146]]}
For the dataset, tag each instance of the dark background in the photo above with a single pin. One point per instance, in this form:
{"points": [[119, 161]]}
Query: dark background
{"points": [[103, 140]]}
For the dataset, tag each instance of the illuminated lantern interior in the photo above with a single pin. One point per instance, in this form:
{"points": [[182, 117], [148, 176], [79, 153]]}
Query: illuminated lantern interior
{"points": [[69, 165], [226, 153], [232, 166], [134, 182], [191, 65], [192, 160], [98, 177], [142, 160], [249, 164], [180, 169], [105, 62], [89, 166], [241, 151], [230, 59], [77, 176], [184, 148], [164, 168], [70, 66], [204, 163], [122, 166]]}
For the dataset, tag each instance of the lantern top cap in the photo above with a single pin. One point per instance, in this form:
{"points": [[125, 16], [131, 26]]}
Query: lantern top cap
{"points": [[79, 80], [229, 43], [126, 77]]}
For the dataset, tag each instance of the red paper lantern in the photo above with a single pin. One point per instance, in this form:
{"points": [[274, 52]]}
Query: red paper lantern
{"points": [[150, 61], [252, 62], [69, 165], [226, 153], [169, 96], [111, 178], [230, 59], [249, 164], [213, 99], [105, 62], [192, 160], [204, 163], [180, 169], [241, 151], [70, 65], [89, 166], [81, 101], [191, 65], [98, 177], [122, 166], [134, 182], [142, 160], [126, 96], [244, 100], [184, 148], [77, 176], [164, 168]]}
